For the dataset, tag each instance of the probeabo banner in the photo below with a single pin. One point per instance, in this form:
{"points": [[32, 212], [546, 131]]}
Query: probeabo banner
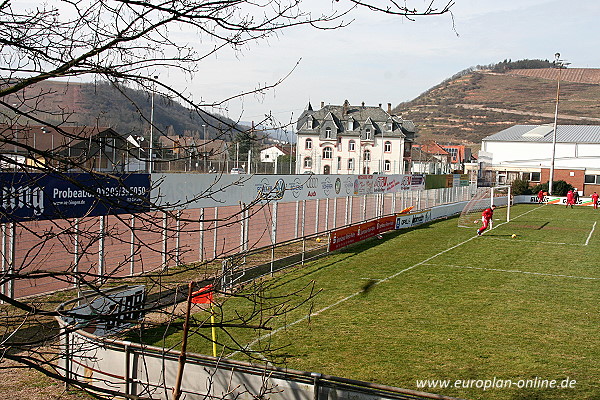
{"points": [[27, 197]]}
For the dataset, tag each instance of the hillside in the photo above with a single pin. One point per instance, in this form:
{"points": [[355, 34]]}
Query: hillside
{"points": [[125, 110], [478, 104]]}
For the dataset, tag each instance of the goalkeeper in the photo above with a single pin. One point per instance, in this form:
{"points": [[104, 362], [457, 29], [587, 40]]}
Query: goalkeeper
{"points": [[486, 219]]}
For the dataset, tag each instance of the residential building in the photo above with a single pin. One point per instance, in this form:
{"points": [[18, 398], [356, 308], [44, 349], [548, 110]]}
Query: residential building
{"points": [[271, 153], [430, 158], [525, 152], [42, 147], [351, 139]]}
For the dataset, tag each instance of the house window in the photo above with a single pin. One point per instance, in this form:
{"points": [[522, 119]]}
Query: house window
{"points": [[351, 145], [328, 133], [532, 176], [350, 124], [387, 165], [387, 146], [327, 153], [307, 162], [339, 163], [339, 144], [368, 134], [351, 164], [592, 179], [308, 144], [367, 155]]}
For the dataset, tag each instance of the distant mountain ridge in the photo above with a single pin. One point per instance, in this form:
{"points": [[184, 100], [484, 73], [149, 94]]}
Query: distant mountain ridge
{"points": [[101, 104], [480, 103]]}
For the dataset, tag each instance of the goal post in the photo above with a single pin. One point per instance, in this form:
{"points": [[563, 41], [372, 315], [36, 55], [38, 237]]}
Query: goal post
{"points": [[485, 197]]}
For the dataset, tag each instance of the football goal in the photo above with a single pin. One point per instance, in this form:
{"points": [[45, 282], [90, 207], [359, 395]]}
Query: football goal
{"points": [[484, 197]]}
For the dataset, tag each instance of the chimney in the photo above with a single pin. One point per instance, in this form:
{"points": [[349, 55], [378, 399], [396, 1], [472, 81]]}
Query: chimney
{"points": [[379, 105], [322, 104], [363, 104], [389, 108]]}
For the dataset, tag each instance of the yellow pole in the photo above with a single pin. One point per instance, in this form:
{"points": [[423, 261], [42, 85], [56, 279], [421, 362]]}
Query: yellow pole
{"points": [[214, 330]]}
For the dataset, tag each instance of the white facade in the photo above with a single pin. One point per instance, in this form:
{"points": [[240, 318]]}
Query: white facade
{"points": [[270, 154], [526, 152], [352, 140], [538, 154]]}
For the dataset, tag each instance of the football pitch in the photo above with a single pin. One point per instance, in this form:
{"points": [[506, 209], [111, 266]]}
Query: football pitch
{"points": [[439, 309]]}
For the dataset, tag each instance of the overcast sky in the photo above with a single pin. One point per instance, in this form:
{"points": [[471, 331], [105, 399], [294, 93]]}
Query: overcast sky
{"points": [[385, 59]]}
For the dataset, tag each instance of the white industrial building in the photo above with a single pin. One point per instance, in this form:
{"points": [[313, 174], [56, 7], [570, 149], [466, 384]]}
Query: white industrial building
{"points": [[525, 152]]}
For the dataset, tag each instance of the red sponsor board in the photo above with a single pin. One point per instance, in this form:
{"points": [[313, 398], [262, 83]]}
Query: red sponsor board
{"points": [[353, 234]]}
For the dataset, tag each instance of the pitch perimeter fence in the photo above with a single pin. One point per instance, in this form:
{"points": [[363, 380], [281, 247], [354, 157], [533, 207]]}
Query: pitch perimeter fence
{"points": [[133, 244]]}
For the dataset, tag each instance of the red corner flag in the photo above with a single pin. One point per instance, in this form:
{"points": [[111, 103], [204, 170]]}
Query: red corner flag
{"points": [[203, 296]]}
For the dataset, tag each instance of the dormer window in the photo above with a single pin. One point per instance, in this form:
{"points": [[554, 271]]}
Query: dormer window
{"points": [[328, 133], [350, 124], [368, 134]]}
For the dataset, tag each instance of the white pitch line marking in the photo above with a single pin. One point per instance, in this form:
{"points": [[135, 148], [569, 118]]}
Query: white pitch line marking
{"points": [[534, 241], [515, 271], [275, 331], [590, 235]]}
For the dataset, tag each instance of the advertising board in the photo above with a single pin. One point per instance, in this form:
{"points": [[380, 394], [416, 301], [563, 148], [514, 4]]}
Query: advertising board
{"points": [[203, 190], [32, 196]]}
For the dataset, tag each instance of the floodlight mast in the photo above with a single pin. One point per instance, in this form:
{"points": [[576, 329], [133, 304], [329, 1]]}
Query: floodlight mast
{"points": [[560, 64]]}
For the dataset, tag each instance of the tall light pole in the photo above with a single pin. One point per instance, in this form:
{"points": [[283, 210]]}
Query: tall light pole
{"points": [[560, 64], [151, 127], [204, 147]]}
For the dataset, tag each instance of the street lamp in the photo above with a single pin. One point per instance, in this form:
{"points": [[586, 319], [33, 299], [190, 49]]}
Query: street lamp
{"points": [[560, 64]]}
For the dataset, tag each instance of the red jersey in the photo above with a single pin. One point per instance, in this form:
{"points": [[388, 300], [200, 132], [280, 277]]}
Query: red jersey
{"points": [[487, 213], [595, 197]]}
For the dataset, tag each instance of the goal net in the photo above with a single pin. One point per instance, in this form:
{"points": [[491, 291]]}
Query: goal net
{"points": [[484, 197]]}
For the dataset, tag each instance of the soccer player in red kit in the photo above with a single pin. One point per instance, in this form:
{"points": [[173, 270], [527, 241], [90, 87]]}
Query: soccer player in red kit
{"points": [[486, 218], [595, 200]]}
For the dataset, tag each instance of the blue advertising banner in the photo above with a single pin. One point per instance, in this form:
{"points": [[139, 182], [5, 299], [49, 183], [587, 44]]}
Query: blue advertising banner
{"points": [[27, 197]]}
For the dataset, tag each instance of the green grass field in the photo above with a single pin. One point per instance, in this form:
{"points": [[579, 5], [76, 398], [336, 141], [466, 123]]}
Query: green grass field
{"points": [[439, 303]]}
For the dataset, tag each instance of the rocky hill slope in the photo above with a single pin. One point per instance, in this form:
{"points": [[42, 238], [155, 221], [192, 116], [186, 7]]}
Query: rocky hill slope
{"points": [[475, 105]]}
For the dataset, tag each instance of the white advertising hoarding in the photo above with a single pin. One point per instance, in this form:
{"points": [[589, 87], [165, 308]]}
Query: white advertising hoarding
{"points": [[208, 190]]}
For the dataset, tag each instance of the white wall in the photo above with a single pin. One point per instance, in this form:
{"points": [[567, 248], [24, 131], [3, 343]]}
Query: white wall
{"points": [[567, 155]]}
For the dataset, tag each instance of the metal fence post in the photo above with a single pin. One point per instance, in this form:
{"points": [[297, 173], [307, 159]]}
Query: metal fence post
{"points": [[164, 241], [335, 202], [201, 241], [316, 215], [296, 220], [327, 214], [346, 210], [303, 226], [216, 231], [132, 245], [13, 260], [273, 233], [177, 238], [4, 256], [102, 220]]}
